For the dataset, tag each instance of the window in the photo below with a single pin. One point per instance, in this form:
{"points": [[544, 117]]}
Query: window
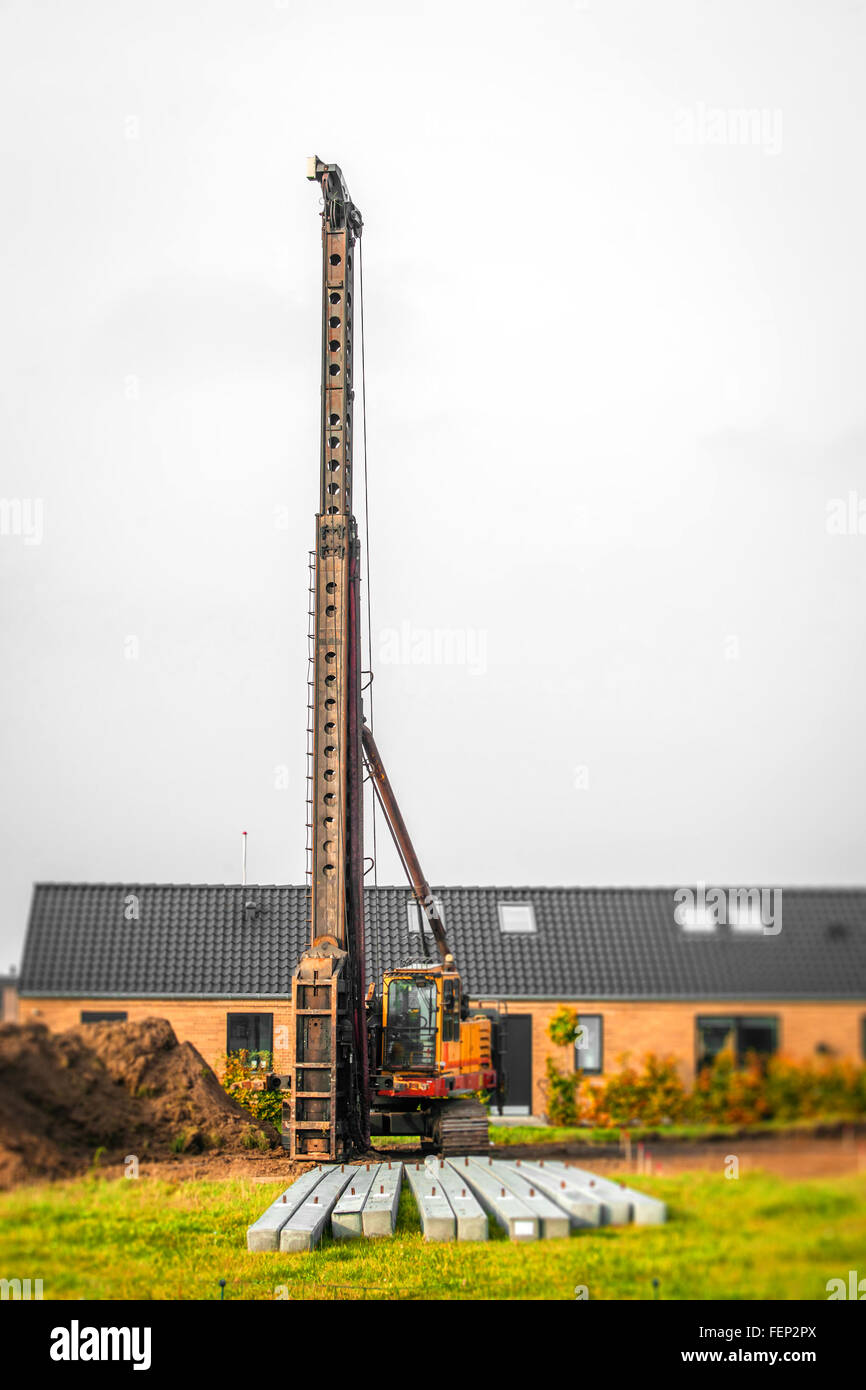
{"points": [[744, 912], [697, 918], [119, 1017], [588, 1055], [516, 917], [450, 1010], [414, 918], [748, 1033], [410, 1026], [254, 1034]]}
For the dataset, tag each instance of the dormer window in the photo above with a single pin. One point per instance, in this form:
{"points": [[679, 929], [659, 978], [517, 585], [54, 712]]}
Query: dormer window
{"points": [[517, 918]]}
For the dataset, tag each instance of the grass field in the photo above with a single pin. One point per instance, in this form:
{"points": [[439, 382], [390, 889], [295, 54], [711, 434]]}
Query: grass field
{"points": [[755, 1238], [504, 1135]]}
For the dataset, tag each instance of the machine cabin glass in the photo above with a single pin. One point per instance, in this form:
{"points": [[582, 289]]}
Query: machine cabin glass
{"points": [[450, 1010], [410, 1026]]}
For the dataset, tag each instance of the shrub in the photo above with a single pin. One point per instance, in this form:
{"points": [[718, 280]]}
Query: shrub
{"points": [[724, 1091], [235, 1080], [560, 1089], [562, 1028]]}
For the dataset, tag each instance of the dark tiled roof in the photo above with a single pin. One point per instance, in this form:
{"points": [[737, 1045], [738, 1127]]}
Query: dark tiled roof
{"points": [[194, 940]]}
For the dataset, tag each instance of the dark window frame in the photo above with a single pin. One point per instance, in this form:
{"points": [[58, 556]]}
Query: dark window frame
{"points": [[103, 1016], [591, 1071], [737, 1022], [254, 1052]]}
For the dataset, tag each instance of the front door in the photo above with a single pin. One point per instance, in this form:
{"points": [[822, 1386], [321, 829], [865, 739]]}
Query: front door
{"points": [[518, 1064]]}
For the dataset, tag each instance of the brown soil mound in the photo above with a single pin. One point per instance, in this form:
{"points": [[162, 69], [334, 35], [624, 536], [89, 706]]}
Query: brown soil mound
{"points": [[124, 1088]]}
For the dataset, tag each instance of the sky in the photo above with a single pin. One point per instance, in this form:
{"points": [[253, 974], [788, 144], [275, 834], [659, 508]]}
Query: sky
{"points": [[615, 312]]}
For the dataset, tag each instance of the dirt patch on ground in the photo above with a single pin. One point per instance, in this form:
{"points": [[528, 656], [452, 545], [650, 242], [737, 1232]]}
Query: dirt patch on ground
{"points": [[104, 1091], [787, 1157]]}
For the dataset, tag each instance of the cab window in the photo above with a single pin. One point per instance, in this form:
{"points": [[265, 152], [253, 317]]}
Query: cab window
{"points": [[410, 1030], [450, 1011]]}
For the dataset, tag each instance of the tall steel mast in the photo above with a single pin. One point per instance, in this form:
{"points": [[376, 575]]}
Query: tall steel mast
{"points": [[327, 1115]]}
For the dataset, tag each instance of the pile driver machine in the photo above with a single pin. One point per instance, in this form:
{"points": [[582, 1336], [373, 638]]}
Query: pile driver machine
{"points": [[403, 1054]]}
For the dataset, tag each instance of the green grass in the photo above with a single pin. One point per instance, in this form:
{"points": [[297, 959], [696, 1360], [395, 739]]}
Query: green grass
{"points": [[757, 1237], [504, 1135], [553, 1134]]}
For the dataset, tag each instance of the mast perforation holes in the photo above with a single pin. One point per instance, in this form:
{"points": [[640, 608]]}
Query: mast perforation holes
{"points": [[335, 258], [330, 656], [334, 296], [329, 704], [329, 774], [330, 798], [329, 728], [334, 441], [330, 680], [331, 610], [333, 488], [334, 321], [334, 369], [330, 750], [333, 465], [333, 511], [334, 345], [328, 868], [331, 587]]}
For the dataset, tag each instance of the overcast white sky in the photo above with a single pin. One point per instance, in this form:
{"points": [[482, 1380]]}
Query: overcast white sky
{"points": [[616, 332]]}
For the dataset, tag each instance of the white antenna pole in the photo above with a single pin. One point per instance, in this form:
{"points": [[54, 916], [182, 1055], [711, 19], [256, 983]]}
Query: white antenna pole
{"points": [[244, 858]]}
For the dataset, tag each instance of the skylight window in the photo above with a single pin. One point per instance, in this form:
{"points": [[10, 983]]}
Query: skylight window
{"points": [[517, 917], [746, 916], [697, 918], [413, 915]]}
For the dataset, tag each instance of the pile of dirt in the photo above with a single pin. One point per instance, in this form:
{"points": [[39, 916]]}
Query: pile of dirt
{"points": [[108, 1090]]}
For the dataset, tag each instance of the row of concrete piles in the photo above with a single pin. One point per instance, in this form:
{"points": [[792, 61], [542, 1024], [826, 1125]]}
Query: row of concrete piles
{"points": [[349, 1199], [456, 1200]]}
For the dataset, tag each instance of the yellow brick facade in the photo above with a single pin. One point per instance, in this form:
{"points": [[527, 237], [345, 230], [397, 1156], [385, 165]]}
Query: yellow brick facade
{"points": [[199, 1021], [9, 1003], [669, 1028], [636, 1027]]}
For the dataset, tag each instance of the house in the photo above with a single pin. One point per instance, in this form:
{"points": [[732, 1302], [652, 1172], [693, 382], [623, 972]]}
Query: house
{"points": [[216, 961]]}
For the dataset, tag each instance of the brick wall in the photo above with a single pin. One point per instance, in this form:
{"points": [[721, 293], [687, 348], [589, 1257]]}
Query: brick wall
{"points": [[635, 1027], [199, 1021], [641, 1027], [9, 1003]]}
